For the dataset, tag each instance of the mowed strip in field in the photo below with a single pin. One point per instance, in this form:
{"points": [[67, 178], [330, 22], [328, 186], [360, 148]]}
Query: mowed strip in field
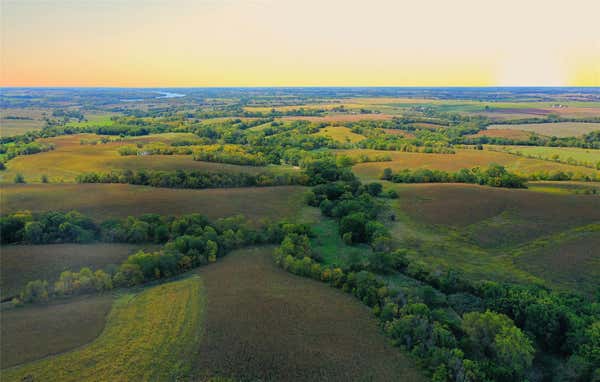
{"points": [[557, 129], [103, 201], [265, 324], [23, 263], [36, 331], [70, 158], [149, 336], [463, 158]]}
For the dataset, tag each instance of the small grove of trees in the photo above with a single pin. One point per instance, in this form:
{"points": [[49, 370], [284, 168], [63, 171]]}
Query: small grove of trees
{"points": [[495, 176]]}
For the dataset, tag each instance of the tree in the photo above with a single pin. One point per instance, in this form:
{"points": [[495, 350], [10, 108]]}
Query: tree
{"points": [[44, 178], [35, 291], [19, 178]]}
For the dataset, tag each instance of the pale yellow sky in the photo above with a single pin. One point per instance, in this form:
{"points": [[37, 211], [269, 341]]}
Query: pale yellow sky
{"points": [[299, 43]]}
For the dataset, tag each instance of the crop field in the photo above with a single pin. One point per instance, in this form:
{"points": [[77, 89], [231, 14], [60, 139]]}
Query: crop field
{"points": [[341, 134], [587, 157], [16, 121], [24, 263], [503, 133], [341, 117], [144, 339], [103, 201], [265, 324], [463, 158], [70, 158], [33, 332], [558, 129]]}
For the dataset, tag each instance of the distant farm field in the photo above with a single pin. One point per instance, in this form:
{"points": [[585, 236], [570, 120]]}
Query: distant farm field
{"points": [[558, 129], [71, 158], [103, 201], [36, 331], [341, 117], [462, 159], [23, 263], [263, 323], [573, 155], [17, 121], [341, 134], [503, 133], [144, 339]]}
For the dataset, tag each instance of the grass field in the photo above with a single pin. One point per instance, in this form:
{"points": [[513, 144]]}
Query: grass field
{"points": [[341, 117], [71, 158], [265, 324], [329, 245], [558, 129], [463, 158], [341, 134], [568, 261], [103, 201], [572, 155], [144, 339], [37, 331], [23, 263], [476, 229]]}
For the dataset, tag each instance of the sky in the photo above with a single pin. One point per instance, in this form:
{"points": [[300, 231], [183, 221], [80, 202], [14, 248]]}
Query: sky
{"points": [[181, 43]]}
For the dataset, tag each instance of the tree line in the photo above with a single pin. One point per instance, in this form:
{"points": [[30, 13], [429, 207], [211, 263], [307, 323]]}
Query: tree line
{"points": [[495, 176]]}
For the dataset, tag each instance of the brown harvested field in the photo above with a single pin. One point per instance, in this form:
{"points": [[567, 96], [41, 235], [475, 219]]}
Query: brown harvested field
{"points": [[573, 264], [102, 201], [263, 323], [464, 158], [40, 330], [503, 133], [558, 129], [496, 217], [24, 263], [339, 117], [70, 158]]}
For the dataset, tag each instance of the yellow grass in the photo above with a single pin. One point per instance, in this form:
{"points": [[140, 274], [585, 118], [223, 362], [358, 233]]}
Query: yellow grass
{"points": [[151, 336], [464, 158], [341, 134], [70, 158]]}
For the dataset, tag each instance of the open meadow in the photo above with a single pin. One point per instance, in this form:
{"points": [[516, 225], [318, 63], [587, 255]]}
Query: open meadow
{"points": [[71, 158], [489, 240]]}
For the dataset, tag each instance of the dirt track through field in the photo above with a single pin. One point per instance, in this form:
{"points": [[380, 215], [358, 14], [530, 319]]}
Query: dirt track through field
{"points": [[265, 324]]}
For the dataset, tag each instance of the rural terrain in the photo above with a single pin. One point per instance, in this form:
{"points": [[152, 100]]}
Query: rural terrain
{"points": [[300, 234]]}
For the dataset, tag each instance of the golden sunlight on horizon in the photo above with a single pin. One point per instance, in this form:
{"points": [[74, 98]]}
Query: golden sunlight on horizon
{"points": [[299, 43]]}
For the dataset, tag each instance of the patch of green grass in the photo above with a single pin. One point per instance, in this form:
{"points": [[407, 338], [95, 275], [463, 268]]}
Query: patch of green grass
{"points": [[330, 246], [149, 336]]}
